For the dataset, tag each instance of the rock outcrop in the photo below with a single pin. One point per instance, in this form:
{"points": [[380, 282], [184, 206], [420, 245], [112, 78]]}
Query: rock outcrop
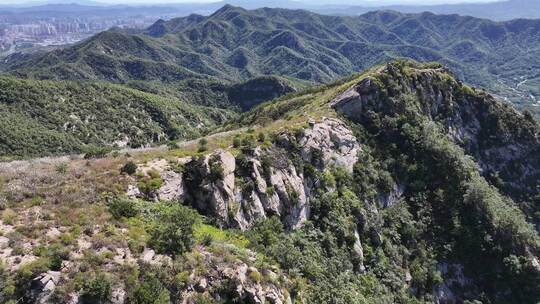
{"points": [[237, 191], [43, 286], [504, 142], [262, 182], [257, 90], [244, 283]]}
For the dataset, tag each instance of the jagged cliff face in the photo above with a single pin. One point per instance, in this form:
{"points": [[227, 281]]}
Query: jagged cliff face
{"points": [[266, 181], [504, 142]]}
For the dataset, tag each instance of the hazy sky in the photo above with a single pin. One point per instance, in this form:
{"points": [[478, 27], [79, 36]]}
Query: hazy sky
{"points": [[368, 2]]}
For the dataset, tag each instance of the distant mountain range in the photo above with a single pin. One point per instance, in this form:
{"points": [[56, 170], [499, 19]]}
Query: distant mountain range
{"points": [[496, 10], [234, 45]]}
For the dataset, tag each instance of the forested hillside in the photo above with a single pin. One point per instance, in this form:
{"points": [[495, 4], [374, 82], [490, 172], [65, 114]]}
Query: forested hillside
{"points": [[235, 44], [57, 117]]}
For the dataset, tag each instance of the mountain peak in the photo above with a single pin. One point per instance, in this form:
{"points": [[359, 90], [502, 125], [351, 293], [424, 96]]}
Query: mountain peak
{"points": [[157, 29], [227, 8]]}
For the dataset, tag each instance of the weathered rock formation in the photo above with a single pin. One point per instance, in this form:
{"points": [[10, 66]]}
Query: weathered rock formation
{"points": [[484, 127], [263, 182], [237, 191], [244, 283]]}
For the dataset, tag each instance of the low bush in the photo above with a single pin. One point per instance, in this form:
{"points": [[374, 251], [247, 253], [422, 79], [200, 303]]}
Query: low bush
{"points": [[122, 207], [150, 291], [203, 145], [150, 184], [129, 168], [96, 152], [97, 290]]}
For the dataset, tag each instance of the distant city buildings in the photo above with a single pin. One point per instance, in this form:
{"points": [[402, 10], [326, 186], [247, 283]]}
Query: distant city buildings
{"points": [[19, 34]]}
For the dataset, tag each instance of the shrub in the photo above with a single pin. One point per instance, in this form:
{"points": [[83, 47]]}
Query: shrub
{"points": [[7, 287], [97, 290], [248, 143], [9, 216], [177, 167], [385, 184], [207, 239], [206, 234], [294, 197], [237, 142], [122, 207], [153, 173], [138, 236], [203, 142], [265, 233], [173, 229], [151, 291], [261, 136], [96, 152], [243, 165], [232, 209], [216, 168], [56, 262], [66, 238], [201, 298], [61, 168], [255, 276], [129, 168], [150, 184], [172, 145], [328, 179]]}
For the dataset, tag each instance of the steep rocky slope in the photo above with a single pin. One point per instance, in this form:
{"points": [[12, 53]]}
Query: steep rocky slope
{"points": [[387, 187], [262, 181], [503, 142]]}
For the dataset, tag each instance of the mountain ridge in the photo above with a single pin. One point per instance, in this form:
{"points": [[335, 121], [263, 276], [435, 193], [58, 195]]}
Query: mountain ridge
{"points": [[383, 187], [235, 44], [495, 10]]}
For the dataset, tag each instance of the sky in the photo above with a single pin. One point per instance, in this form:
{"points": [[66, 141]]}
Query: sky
{"points": [[359, 2]]}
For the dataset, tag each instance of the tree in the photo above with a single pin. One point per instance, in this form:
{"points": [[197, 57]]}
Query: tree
{"points": [[173, 229], [203, 142]]}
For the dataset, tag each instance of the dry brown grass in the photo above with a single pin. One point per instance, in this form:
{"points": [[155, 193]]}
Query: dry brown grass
{"points": [[37, 191]]}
